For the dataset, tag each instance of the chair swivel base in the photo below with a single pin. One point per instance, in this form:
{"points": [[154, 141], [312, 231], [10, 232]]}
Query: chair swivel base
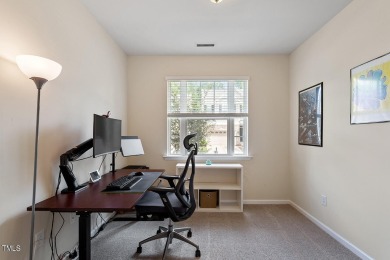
{"points": [[170, 233]]}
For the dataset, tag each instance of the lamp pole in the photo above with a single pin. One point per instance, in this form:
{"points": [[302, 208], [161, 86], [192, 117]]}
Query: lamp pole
{"points": [[39, 83]]}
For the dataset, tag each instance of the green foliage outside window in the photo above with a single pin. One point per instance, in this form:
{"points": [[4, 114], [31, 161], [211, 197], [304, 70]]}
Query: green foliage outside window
{"points": [[199, 126]]}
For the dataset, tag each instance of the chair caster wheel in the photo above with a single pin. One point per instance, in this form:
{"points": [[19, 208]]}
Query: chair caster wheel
{"points": [[189, 234], [197, 253], [139, 250], [158, 231]]}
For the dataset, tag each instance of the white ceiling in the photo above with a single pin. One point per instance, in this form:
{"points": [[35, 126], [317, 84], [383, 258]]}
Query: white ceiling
{"points": [[236, 27]]}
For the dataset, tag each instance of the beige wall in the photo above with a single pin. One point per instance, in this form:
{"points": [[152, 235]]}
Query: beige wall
{"points": [[352, 168], [266, 174], [93, 80]]}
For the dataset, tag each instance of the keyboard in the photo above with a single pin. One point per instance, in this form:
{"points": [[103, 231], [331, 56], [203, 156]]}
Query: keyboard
{"points": [[124, 183]]}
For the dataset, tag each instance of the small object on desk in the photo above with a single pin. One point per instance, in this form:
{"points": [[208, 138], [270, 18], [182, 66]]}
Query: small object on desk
{"points": [[95, 176], [124, 183], [139, 174], [208, 162]]}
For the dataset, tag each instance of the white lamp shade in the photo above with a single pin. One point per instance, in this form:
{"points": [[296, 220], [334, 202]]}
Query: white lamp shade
{"points": [[35, 66]]}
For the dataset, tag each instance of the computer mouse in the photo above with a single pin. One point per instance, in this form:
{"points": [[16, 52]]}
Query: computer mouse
{"points": [[138, 174]]}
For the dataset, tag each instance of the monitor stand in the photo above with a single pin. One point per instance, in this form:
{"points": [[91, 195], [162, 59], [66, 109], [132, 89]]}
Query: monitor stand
{"points": [[113, 163], [79, 188]]}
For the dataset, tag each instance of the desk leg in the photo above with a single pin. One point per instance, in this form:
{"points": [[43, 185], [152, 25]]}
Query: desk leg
{"points": [[84, 235]]}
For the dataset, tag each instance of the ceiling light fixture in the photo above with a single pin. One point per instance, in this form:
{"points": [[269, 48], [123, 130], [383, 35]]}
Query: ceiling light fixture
{"points": [[205, 45], [216, 1]]}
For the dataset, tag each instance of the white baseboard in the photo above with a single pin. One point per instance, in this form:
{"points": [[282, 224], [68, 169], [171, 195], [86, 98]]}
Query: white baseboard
{"points": [[333, 234], [261, 202]]}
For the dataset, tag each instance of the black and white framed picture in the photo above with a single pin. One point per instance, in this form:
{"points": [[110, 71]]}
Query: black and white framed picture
{"points": [[310, 116]]}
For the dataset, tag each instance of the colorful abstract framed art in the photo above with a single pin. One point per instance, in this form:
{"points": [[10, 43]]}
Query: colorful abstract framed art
{"points": [[370, 100], [310, 116]]}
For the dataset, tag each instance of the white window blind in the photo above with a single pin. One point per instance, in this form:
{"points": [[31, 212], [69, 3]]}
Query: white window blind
{"points": [[207, 98]]}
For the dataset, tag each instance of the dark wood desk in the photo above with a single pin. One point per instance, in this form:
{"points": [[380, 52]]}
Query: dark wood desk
{"points": [[92, 200]]}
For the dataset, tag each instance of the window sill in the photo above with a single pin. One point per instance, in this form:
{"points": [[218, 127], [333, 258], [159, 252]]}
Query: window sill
{"points": [[203, 158]]}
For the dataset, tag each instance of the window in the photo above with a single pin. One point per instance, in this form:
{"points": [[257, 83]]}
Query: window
{"points": [[217, 110]]}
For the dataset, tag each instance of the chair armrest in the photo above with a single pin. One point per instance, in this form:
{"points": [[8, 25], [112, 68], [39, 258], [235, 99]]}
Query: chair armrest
{"points": [[161, 190], [170, 179]]}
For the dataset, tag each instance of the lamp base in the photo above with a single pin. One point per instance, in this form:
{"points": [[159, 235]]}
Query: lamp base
{"points": [[79, 188]]}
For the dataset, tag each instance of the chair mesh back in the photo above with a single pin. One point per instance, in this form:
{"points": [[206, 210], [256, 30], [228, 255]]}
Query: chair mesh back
{"points": [[187, 197]]}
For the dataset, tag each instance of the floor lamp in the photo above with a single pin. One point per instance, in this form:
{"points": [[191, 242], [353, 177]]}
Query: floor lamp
{"points": [[40, 70]]}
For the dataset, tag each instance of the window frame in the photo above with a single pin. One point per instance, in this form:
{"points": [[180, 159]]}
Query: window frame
{"points": [[229, 117]]}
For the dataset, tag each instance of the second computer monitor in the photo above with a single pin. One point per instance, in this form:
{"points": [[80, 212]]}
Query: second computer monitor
{"points": [[131, 146]]}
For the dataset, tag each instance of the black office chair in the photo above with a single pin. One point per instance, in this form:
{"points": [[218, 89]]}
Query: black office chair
{"points": [[173, 202]]}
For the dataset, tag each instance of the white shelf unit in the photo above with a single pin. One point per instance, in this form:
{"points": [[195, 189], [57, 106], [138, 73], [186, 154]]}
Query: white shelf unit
{"points": [[226, 178]]}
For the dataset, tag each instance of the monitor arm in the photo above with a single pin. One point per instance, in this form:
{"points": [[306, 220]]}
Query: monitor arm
{"points": [[66, 171]]}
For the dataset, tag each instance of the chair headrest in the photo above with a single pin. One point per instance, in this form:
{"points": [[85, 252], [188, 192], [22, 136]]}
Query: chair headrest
{"points": [[187, 144]]}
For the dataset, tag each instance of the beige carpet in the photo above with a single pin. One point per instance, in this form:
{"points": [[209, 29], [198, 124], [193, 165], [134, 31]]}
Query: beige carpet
{"points": [[260, 232]]}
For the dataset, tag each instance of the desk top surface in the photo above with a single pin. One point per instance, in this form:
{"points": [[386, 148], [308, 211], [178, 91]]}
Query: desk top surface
{"points": [[92, 199]]}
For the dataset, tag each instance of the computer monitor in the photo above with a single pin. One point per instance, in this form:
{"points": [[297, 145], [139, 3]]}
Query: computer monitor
{"points": [[106, 135], [131, 146]]}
